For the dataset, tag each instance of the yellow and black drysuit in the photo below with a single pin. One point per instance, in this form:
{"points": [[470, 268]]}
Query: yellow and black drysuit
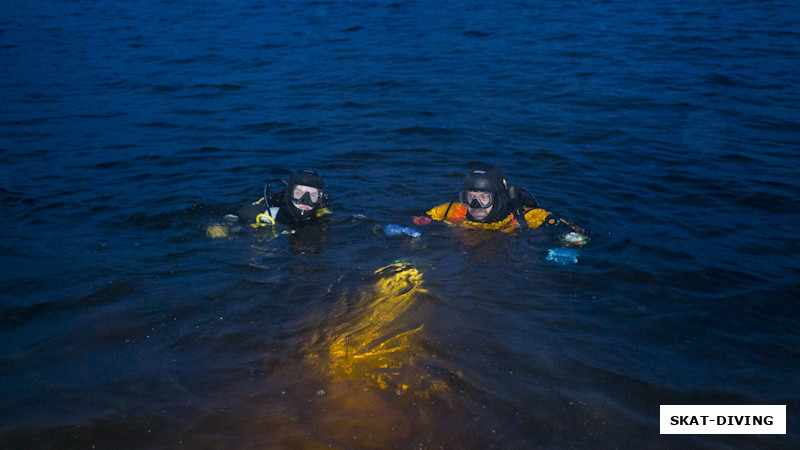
{"points": [[511, 208]]}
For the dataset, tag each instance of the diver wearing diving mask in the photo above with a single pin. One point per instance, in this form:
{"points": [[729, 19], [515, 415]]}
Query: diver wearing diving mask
{"points": [[302, 200], [487, 202], [304, 197]]}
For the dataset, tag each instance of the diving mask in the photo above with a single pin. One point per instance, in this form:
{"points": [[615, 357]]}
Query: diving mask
{"points": [[308, 196], [476, 199]]}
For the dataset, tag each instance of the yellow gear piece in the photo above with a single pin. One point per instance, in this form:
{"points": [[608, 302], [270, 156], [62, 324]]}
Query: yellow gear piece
{"points": [[259, 223], [217, 231]]}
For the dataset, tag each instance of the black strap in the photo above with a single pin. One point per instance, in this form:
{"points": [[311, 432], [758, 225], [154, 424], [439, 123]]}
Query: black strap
{"points": [[518, 199]]}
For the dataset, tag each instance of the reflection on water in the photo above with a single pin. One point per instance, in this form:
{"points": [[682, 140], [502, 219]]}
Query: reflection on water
{"points": [[373, 364], [375, 348]]}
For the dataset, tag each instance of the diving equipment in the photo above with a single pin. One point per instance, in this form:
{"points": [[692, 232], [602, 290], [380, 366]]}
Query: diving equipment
{"points": [[476, 199], [488, 179], [305, 178], [397, 230], [562, 256]]}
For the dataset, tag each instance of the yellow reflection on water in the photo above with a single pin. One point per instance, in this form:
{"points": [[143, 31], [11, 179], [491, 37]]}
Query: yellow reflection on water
{"points": [[374, 347], [378, 390]]}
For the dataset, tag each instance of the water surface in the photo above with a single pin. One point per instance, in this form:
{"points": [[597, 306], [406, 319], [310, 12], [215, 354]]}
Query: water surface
{"points": [[669, 130]]}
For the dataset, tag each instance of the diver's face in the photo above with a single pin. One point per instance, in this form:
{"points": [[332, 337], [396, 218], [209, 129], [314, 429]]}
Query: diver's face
{"points": [[479, 213], [485, 199], [300, 191]]}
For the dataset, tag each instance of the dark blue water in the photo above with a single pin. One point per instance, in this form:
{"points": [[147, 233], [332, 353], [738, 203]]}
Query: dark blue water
{"points": [[669, 130]]}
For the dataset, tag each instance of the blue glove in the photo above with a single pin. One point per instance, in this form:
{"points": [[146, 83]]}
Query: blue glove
{"points": [[397, 230], [562, 256]]}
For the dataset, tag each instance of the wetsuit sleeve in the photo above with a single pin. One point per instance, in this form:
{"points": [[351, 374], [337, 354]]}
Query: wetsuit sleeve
{"points": [[438, 212], [536, 217], [249, 213], [567, 233]]}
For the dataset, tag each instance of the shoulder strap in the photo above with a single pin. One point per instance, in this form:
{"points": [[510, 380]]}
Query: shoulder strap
{"points": [[519, 199]]}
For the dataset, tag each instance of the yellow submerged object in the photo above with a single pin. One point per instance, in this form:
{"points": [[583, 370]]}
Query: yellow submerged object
{"points": [[377, 348], [218, 231], [378, 385]]}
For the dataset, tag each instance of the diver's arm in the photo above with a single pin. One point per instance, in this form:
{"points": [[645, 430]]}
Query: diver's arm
{"points": [[440, 212], [249, 213], [568, 233], [258, 213], [422, 220]]}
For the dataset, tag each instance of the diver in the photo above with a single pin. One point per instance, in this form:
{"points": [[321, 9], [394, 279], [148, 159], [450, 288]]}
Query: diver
{"points": [[301, 201], [487, 202], [296, 207]]}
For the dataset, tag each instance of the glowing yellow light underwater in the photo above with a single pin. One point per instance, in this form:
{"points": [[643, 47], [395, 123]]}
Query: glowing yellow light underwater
{"points": [[374, 349]]}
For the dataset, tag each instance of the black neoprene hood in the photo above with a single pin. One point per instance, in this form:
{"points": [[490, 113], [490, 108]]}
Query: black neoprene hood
{"points": [[306, 178], [303, 178], [485, 178], [491, 179]]}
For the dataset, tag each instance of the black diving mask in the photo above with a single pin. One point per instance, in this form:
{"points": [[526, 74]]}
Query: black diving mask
{"points": [[476, 199], [308, 199]]}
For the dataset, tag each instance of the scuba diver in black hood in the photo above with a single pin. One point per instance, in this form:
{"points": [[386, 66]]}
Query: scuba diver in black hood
{"points": [[302, 200], [487, 202], [299, 204]]}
